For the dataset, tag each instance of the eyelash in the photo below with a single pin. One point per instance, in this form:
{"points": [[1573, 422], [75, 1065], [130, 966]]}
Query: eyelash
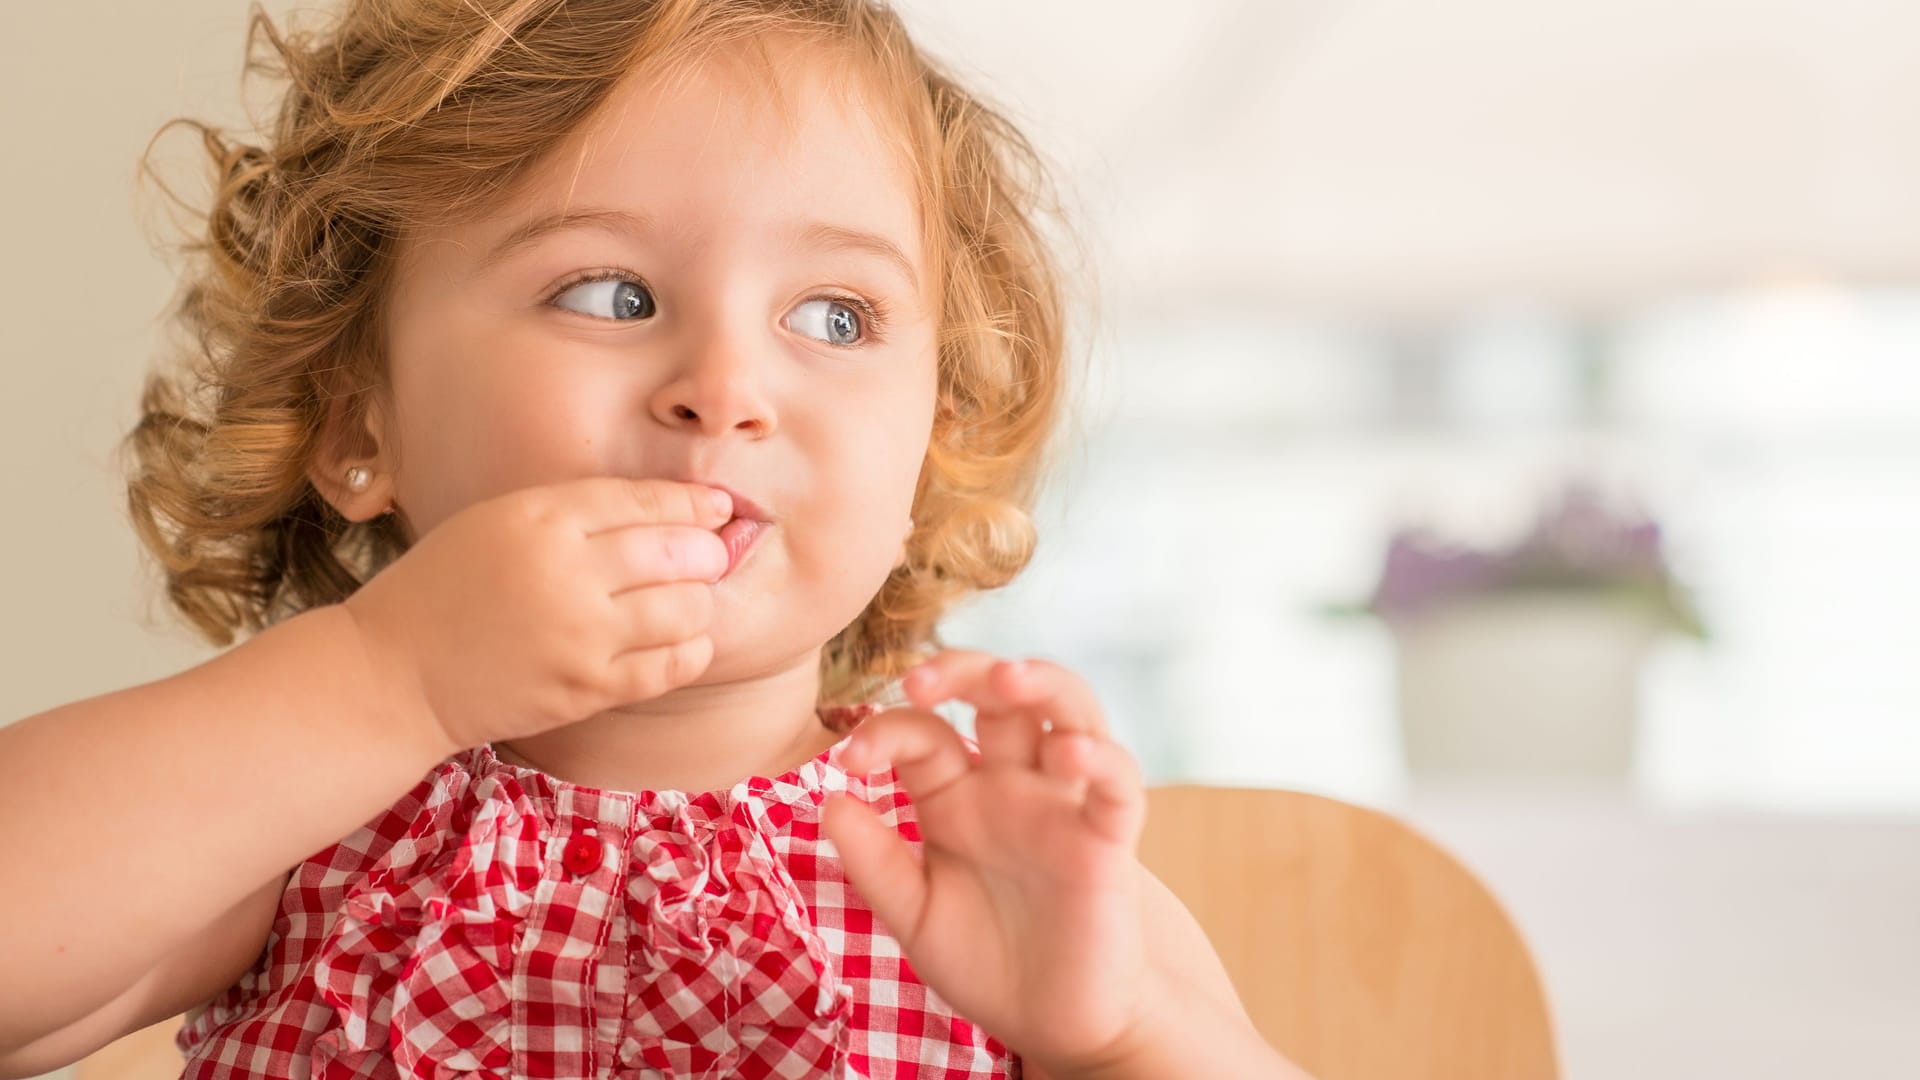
{"points": [[873, 313]]}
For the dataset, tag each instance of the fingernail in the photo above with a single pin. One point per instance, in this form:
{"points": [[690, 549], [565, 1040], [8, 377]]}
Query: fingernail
{"points": [[722, 502]]}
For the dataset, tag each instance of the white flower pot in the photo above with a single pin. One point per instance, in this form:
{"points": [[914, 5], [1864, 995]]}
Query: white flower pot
{"points": [[1523, 683]]}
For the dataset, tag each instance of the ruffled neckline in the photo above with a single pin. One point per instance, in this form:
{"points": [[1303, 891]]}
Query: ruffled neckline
{"points": [[810, 781]]}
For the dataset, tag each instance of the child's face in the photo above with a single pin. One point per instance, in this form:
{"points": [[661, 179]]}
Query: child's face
{"points": [[717, 354]]}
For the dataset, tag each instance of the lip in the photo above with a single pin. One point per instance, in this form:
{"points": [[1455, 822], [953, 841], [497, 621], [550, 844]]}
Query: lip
{"points": [[743, 507], [740, 536], [740, 532]]}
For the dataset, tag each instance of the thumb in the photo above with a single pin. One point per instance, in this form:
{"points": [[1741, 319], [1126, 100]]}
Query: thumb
{"points": [[880, 864]]}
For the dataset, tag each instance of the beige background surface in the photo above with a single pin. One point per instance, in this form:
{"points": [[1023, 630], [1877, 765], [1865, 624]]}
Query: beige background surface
{"points": [[82, 89], [82, 293]]}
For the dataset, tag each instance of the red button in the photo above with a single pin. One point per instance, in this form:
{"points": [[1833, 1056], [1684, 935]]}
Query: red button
{"points": [[582, 855]]}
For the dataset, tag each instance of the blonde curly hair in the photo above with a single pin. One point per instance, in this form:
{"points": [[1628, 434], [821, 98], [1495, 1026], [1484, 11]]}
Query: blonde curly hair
{"points": [[404, 112]]}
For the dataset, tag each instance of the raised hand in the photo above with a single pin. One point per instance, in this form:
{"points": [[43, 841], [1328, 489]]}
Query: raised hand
{"points": [[546, 605], [1025, 912]]}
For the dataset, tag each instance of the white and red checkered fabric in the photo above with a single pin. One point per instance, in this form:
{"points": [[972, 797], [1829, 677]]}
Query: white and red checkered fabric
{"points": [[499, 922]]}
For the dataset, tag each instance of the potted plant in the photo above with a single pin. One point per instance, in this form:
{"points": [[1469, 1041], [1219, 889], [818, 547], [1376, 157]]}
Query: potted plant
{"points": [[1527, 658]]}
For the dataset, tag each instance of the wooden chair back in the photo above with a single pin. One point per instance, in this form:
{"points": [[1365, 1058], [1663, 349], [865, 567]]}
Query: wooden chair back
{"points": [[1360, 948]]}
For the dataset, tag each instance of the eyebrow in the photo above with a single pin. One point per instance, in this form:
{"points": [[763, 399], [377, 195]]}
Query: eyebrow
{"points": [[612, 222], [623, 223], [823, 234]]}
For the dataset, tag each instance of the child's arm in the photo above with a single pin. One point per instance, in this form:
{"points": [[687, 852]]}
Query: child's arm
{"points": [[1026, 908], [1199, 1026], [129, 822], [207, 962]]}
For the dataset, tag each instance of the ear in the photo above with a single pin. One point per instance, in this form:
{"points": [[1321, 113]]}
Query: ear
{"points": [[355, 434]]}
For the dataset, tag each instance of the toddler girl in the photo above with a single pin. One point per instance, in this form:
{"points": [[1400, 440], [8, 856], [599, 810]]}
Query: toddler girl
{"points": [[598, 402]]}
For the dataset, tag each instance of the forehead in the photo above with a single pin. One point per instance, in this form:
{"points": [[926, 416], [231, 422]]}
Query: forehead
{"points": [[736, 139]]}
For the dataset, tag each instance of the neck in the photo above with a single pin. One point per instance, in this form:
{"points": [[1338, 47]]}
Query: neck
{"points": [[694, 739]]}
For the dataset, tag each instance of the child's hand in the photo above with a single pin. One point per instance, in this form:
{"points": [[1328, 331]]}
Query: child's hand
{"points": [[544, 606], [1025, 913]]}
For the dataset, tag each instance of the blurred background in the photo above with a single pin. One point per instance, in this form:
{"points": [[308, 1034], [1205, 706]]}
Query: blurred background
{"points": [[1505, 413]]}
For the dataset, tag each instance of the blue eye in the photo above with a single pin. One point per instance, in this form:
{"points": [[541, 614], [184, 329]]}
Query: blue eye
{"points": [[616, 298], [828, 320]]}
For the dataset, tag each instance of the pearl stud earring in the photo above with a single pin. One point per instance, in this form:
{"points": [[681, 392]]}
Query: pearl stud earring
{"points": [[358, 478]]}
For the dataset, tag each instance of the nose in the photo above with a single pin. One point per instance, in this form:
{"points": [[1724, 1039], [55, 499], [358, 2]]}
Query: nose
{"points": [[718, 389]]}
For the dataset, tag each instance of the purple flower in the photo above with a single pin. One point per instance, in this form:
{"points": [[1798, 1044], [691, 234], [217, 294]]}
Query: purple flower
{"points": [[1578, 543]]}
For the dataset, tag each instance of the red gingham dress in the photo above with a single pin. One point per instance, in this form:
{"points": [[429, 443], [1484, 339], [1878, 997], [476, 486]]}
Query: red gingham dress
{"points": [[500, 922]]}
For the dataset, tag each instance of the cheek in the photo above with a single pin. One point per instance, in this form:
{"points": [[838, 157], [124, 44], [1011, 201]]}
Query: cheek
{"points": [[478, 429], [864, 487], [487, 443], [542, 430], [534, 400], [878, 463]]}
